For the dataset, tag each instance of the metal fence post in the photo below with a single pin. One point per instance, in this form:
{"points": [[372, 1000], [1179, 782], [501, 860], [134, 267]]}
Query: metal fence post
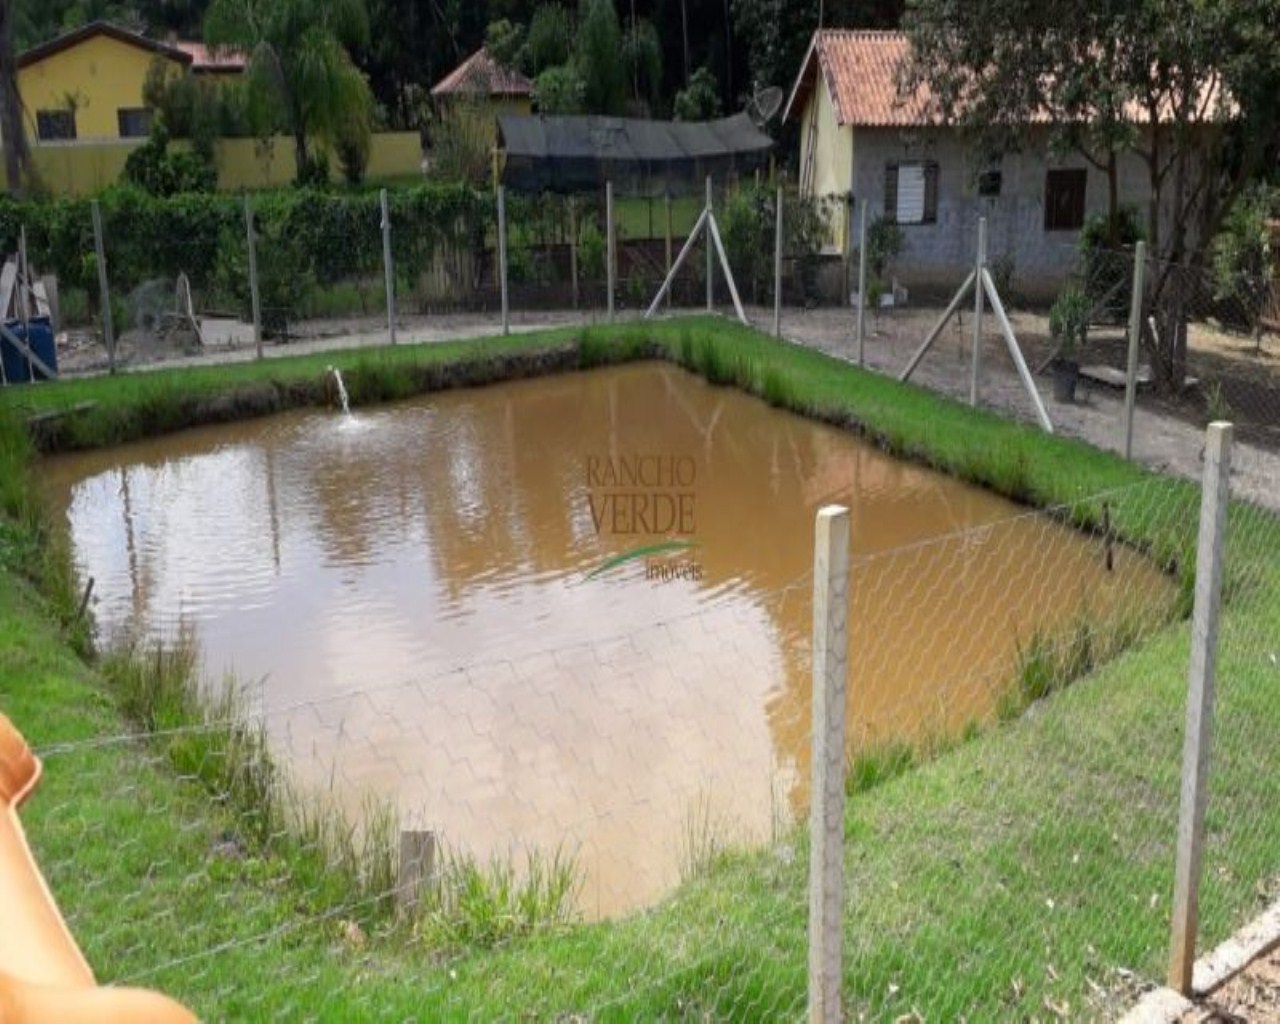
{"points": [[1135, 329], [711, 264], [826, 793], [777, 269], [573, 249], [1214, 496], [388, 268], [502, 257], [610, 241], [108, 328], [979, 263], [860, 329], [254, 298]]}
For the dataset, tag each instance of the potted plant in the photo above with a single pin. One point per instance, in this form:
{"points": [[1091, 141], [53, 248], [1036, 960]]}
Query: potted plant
{"points": [[1069, 328]]}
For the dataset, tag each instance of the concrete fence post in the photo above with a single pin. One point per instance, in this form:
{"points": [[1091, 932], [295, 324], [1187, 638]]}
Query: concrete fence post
{"points": [[611, 239], [979, 264], [1135, 334], [1214, 497], [826, 793], [417, 865], [711, 259], [388, 269], [502, 257], [777, 268], [104, 292], [255, 299], [860, 328]]}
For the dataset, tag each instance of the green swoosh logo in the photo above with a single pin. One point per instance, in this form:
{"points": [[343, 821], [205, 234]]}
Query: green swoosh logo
{"points": [[640, 552]]}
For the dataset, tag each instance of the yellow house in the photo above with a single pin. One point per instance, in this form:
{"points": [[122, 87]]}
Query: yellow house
{"points": [[87, 84]]}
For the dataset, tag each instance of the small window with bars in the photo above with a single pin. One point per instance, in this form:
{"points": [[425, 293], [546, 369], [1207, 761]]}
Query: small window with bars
{"points": [[52, 125], [134, 122], [1064, 192], [911, 192]]}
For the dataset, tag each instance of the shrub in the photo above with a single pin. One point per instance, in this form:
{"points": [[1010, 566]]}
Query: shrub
{"points": [[1242, 258], [156, 169], [1107, 270]]}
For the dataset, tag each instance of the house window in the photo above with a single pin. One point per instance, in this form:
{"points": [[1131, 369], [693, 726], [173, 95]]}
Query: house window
{"points": [[1064, 200], [55, 124], [911, 193], [989, 183], [135, 122]]}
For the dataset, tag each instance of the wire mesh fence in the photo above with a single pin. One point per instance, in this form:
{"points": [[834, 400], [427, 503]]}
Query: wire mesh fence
{"points": [[605, 829]]}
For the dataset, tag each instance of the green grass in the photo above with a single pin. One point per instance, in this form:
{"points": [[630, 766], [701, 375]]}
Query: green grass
{"points": [[1022, 866]]}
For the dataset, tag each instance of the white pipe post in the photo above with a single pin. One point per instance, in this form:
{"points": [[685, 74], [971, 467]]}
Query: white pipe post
{"points": [[675, 267], [1197, 739], [104, 293], [255, 298], [611, 267], [860, 330], [1015, 353], [388, 268], [777, 268], [502, 257], [826, 794], [970, 281], [728, 271], [667, 204], [711, 294], [979, 264], [1135, 334]]}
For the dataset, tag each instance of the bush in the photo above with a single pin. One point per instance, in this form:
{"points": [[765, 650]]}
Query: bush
{"points": [[156, 169], [329, 236], [1242, 258]]}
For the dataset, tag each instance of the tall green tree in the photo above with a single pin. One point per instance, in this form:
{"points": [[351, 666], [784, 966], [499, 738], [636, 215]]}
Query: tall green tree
{"points": [[299, 58], [598, 55], [1189, 87]]}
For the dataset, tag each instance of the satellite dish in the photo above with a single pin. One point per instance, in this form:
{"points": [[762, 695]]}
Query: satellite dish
{"points": [[765, 104]]}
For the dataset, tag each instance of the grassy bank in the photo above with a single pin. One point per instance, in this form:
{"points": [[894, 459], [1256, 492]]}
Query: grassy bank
{"points": [[1009, 873]]}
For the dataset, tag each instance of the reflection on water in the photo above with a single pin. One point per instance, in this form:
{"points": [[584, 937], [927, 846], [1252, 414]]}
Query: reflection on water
{"points": [[408, 589]]}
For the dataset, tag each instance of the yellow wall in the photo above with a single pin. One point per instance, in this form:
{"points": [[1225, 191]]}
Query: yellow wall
{"points": [[74, 169], [833, 153], [101, 74], [251, 164]]}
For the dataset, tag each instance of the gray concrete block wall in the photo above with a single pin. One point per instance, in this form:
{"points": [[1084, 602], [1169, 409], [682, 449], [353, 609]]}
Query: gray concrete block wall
{"points": [[936, 256]]}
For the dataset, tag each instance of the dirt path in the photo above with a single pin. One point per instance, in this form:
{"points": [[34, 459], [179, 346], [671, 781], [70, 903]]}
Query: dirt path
{"points": [[1161, 440]]}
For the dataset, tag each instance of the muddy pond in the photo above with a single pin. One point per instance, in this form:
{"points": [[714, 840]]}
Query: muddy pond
{"points": [[424, 603]]}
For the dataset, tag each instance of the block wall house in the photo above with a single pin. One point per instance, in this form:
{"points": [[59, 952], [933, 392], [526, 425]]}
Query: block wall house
{"points": [[480, 89], [859, 139], [87, 84]]}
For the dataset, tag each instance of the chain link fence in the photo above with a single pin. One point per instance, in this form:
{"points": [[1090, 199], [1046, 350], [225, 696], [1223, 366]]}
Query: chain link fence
{"points": [[593, 830]]}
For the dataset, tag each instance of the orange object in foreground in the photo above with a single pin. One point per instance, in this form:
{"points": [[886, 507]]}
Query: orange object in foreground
{"points": [[43, 975]]}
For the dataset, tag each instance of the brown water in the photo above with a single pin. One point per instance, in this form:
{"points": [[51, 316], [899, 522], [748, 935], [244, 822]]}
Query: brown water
{"points": [[410, 594]]}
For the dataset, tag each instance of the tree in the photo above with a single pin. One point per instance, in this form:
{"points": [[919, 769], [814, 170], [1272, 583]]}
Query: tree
{"points": [[598, 57], [642, 56], [298, 57], [1189, 88], [560, 90], [504, 41], [16, 157], [550, 33], [700, 101]]}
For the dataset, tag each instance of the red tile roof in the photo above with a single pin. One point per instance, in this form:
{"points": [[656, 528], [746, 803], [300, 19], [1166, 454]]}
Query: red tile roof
{"points": [[860, 68], [204, 59], [481, 74]]}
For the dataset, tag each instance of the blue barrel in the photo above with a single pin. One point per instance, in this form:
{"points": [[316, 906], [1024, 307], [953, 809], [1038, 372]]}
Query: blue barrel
{"points": [[36, 333]]}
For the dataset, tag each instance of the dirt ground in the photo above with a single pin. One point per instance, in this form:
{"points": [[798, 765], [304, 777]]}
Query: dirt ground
{"points": [[1253, 995]]}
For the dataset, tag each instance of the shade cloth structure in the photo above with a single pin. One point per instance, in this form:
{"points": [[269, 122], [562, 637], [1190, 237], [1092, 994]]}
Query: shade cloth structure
{"points": [[570, 155]]}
